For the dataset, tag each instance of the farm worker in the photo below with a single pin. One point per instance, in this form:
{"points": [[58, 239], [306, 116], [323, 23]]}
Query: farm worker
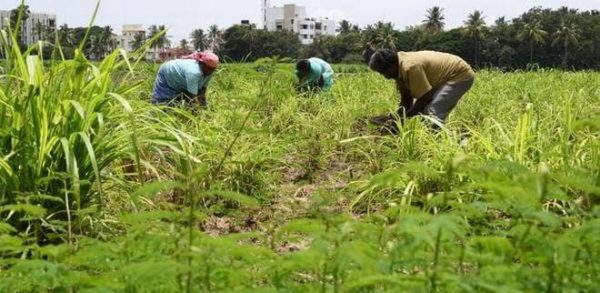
{"points": [[314, 74], [430, 83], [185, 79]]}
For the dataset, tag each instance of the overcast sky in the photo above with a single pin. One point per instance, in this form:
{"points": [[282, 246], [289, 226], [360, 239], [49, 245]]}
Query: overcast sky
{"points": [[182, 16]]}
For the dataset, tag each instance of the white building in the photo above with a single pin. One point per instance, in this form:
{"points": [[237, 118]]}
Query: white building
{"points": [[35, 27], [294, 18], [128, 35], [4, 19]]}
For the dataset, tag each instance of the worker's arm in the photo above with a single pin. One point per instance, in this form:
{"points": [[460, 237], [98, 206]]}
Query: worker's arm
{"points": [[198, 100], [420, 104], [419, 87], [201, 98], [391, 126], [406, 101]]}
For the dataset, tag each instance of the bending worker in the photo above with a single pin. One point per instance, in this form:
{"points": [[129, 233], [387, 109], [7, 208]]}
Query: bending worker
{"points": [[314, 74], [430, 83], [185, 80]]}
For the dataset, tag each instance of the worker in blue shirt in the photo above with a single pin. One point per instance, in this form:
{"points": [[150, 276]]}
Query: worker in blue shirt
{"points": [[185, 79], [314, 74]]}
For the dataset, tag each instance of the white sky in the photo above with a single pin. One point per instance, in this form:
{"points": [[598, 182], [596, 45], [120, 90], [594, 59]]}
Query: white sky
{"points": [[182, 16]]}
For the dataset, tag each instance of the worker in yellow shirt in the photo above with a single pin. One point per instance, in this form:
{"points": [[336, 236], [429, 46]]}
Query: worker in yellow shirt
{"points": [[430, 83]]}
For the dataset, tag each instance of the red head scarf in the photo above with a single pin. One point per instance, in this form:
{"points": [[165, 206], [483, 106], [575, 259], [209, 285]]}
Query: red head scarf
{"points": [[207, 57]]}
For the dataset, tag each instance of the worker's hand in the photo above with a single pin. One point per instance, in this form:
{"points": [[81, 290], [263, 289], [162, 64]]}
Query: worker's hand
{"points": [[390, 127], [388, 124], [379, 120], [383, 119], [201, 101], [195, 108]]}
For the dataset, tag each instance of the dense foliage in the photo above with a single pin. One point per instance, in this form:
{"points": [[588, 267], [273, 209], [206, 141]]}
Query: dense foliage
{"points": [[549, 38], [544, 37], [555, 38]]}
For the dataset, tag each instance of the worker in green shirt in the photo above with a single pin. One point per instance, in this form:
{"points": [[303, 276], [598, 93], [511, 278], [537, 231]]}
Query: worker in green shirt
{"points": [[314, 74], [430, 83]]}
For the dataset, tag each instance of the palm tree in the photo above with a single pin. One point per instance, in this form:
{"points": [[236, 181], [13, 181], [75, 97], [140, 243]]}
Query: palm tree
{"points": [[65, 36], [533, 32], [20, 15], [23, 11], [110, 43], [434, 22], [94, 46], [39, 31], [367, 52], [215, 37], [475, 29], [347, 27], [101, 42], [566, 11], [381, 35], [505, 55], [138, 41], [567, 34], [183, 44], [152, 32], [250, 34], [161, 41], [344, 27], [318, 48], [198, 39], [386, 37], [500, 28]]}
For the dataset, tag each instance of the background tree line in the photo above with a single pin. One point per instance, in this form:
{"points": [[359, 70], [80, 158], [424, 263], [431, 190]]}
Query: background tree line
{"points": [[549, 38], [544, 37]]}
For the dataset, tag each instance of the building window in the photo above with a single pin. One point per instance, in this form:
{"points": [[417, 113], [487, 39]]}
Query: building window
{"points": [[279, 27], [318, 25], [305, 37], [312, 37], [312, 26], [292, 21], [305, 26]]}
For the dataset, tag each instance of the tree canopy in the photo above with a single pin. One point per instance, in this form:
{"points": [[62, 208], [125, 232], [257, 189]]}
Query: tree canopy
{"points": [[561, 37]]}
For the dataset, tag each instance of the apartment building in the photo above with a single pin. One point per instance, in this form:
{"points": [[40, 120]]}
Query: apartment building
{"points": [[128, 34], [35, 27], [294, 18]]}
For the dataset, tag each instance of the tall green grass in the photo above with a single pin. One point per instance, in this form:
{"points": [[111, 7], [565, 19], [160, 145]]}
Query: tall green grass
{"points": [[65, 128]]}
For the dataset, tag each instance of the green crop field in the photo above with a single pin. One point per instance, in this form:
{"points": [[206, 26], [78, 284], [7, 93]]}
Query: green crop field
{"points": [[269, 191]]}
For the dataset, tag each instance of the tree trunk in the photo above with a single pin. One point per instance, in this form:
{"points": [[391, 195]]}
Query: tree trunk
{"points": [[566, 57], [530, 52], [476, 53]]}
